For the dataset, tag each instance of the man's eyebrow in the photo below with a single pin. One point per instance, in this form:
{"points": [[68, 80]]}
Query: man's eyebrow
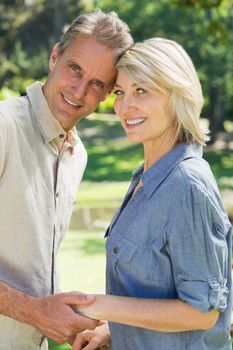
{"points": [[81, 70]]}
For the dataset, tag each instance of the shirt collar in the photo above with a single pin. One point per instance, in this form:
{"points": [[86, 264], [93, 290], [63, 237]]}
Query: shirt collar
{"points": [[50, 127], [155, 175]]}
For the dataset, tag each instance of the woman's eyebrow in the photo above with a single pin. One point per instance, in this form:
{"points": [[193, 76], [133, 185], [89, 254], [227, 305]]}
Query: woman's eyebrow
{"points": [[117, 85]]}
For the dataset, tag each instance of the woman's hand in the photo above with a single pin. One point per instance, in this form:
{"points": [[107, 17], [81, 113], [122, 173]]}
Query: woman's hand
{"points": [[99, 339]]}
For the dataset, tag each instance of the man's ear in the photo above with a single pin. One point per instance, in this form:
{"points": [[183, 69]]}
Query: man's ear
{"points": [[53, 56]]}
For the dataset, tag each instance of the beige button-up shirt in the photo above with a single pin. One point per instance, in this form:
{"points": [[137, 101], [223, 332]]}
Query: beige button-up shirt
{"points": [[40, 170]]}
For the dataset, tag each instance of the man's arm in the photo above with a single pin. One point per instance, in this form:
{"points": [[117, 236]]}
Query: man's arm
{"points": [[53, 315]]}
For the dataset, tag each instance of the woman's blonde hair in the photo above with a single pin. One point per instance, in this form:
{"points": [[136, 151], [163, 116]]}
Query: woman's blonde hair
{"points": [[163, 65]]}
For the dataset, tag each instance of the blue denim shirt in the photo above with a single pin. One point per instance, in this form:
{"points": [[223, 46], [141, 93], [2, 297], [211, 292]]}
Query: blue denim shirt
{"points": [[172, 240]]}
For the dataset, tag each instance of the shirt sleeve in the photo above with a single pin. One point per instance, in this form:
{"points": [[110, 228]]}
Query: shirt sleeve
{"points": [[3, 141], [199, 251]]}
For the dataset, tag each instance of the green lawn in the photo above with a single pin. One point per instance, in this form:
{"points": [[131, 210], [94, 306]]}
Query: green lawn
{"points": [[101, 194], [82, 266], [112, 158]]}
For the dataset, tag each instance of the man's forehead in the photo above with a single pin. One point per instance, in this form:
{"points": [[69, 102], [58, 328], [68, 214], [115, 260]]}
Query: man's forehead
{"points": [[92, 57]]}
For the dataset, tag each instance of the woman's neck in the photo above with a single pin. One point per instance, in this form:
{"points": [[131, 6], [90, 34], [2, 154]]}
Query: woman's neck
{"points": [[156, 149]]}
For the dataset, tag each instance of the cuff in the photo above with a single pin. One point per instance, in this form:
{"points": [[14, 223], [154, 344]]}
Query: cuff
{"points": [[218, 295], [204, 296]]}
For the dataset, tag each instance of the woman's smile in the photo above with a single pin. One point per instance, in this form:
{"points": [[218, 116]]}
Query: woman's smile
{"points": [[134, 122]]}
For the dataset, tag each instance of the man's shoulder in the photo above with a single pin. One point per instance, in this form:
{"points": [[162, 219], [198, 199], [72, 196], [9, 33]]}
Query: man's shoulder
{"points": [[12, 107], [13, 102]]}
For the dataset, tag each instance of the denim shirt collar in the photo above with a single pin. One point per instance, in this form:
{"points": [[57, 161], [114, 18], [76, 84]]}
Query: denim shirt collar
{"points": [[158, 172]]}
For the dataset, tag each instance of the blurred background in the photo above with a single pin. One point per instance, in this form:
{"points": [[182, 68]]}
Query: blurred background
{"points": [[29, 29]]}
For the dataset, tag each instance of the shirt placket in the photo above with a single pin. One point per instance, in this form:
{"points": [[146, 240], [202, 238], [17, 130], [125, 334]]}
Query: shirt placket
{"points": [[59, 193]]}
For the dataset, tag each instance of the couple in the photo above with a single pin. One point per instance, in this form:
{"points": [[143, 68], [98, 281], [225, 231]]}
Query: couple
{"points": [[169, 244]]}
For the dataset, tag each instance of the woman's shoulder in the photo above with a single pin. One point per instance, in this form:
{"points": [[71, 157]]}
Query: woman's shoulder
{"points": [[195, 173]]}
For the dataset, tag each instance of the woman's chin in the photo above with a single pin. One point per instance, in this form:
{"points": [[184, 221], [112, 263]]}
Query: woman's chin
{"points": [[134, 139]]}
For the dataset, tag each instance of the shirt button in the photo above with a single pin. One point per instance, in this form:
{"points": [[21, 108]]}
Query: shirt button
{"points": [[116, 250], [222, 303], [57, 194], [61, 136]]}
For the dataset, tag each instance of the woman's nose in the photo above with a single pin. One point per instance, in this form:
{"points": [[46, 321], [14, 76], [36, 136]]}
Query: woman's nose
{"points": [[128, 104]]}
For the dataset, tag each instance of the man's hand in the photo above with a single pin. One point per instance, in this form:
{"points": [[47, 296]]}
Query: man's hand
{"points": [[55, 318], [91, 340]]}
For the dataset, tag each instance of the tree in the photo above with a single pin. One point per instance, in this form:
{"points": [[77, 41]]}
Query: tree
{"points": [[28, 30]]}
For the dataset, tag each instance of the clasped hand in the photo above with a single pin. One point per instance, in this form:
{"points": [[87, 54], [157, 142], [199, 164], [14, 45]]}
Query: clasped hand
{"points": [[56, 316]]}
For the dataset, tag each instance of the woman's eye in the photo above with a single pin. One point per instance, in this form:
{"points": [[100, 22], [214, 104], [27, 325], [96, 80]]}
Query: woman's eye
{"points": [[141, 90], [118, 92]]}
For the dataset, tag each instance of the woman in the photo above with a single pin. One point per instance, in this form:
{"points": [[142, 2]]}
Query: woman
{"points": [[169, 245]]}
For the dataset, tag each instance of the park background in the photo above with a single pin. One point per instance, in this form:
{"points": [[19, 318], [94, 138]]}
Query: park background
{"points": [[29, 29]]}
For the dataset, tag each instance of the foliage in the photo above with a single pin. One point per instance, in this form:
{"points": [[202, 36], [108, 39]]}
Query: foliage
{"points": [[107, 105], [7, 93], [28, 30], [221, 163]]}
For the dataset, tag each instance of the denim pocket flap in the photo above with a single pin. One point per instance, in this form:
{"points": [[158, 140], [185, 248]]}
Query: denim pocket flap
{"points": [[122, 249]]}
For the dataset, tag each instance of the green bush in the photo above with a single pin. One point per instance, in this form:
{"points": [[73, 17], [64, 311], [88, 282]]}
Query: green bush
{"points": [[7, 93], [107, 105]]}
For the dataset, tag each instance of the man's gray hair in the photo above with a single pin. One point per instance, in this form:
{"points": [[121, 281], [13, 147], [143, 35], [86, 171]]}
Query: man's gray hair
{"points": [[107, 28]]}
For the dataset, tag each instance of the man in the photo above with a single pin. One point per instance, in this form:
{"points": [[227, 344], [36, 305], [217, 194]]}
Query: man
{"points": [[42, 161]]}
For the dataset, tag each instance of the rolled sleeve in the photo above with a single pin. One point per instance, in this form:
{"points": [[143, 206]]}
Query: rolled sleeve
{"points": [[204, 296], [199, 251]]}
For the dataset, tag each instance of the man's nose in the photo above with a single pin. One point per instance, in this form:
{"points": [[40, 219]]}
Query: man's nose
{"points": [[80, 88]]}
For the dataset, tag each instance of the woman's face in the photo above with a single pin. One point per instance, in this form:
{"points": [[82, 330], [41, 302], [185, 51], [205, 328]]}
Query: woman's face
{"points": [[142, 112]]}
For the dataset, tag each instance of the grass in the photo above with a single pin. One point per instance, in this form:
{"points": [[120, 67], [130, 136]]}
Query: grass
{"points": [[102, 194], [112, 158], [82, 267], [82, 262]]}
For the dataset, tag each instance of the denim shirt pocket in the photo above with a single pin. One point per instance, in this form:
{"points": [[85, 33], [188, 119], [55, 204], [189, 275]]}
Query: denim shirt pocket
{"points": [[120, 252], [121, 248]]}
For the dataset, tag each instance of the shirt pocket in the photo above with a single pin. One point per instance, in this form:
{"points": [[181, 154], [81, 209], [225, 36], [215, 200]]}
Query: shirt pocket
{"points": [[120, 252], [143, 262], [130, 263]]}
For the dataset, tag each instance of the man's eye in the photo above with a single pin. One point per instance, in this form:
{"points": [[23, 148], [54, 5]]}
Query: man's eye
{"points": [[118, 92], [75, 69], [98, 84]]}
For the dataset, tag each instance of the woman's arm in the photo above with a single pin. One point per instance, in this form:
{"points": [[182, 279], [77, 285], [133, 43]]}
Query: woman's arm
{"points": [[160, 315]]}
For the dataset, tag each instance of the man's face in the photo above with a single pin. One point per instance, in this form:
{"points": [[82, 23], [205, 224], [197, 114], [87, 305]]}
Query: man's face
{"points": [[79, 79]]}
